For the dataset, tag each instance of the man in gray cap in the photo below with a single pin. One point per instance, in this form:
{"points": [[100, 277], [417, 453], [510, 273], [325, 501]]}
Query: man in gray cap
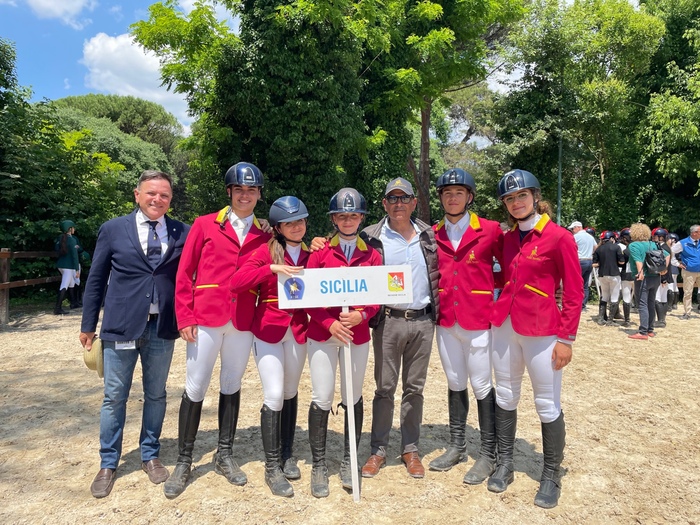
{"points": [[402, 333]]}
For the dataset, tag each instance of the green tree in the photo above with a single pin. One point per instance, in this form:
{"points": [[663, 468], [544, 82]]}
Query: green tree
{"points": [[135, 154], [284, 95], [580, 68], [672, 122], [437, 47], [134, 116]]}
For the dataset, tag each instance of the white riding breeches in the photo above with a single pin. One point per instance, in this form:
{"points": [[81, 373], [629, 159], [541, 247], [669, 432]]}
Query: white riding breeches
{"points": [[323, 363], [609, 288], [466, 355], [512, 354], [234, 348], [280, 366]]}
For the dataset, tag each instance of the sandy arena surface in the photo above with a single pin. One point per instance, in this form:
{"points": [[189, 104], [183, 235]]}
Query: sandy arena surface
{"points": [[632, 455]]}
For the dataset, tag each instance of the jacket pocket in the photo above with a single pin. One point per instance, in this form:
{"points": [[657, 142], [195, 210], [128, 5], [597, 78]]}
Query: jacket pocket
{"points": [[483, 292], [201, 286], [536, 290]]}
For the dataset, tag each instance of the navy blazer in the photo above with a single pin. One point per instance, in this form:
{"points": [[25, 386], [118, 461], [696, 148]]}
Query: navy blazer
{"points": [[120, 262]]}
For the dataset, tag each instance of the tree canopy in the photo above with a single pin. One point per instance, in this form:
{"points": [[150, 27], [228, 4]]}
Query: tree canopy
{"points": [[134, 116]]}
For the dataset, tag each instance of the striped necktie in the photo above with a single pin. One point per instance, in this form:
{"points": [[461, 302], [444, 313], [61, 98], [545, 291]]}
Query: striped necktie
{"points": [[153, 252]]}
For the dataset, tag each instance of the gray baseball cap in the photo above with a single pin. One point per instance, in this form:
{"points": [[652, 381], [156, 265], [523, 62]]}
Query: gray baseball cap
{"points": [[399, 183]]}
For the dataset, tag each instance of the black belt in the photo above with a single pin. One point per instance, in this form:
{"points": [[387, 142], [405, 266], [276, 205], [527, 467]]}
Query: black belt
{"points": [[407, 314], [152, 317]]}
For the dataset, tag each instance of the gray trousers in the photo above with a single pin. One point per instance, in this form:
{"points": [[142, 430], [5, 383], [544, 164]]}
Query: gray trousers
{"points": [[400, 343]]}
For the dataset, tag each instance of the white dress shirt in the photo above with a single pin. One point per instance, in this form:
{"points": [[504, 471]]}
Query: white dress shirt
{"points": [[397, 250], [240, 225], [455, 231]]}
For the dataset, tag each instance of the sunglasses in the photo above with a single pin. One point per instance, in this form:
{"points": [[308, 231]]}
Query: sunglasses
{"points": [[393, 199]]}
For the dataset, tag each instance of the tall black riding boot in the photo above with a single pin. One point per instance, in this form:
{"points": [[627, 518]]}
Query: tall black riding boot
{"points": [[626, 307], [58, 309], [661, 309], [270, 426], [614, 311], [618, 315], [188, 424], [602, 312], [458, 408], [289, 425], [486, 462], [318, 430], [674, 300], [553, 440], [74, 297], [345, 465], [224, 463], [506, 423]]}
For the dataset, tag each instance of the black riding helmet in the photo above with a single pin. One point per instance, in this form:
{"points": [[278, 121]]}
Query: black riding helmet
{"points": [[518, 180], [457, 177], [244, 174], [347, 200]]}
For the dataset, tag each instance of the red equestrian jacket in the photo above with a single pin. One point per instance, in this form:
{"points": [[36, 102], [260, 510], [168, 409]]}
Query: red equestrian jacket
{"points": [[534, 269], [466, 274], [211, 256]]}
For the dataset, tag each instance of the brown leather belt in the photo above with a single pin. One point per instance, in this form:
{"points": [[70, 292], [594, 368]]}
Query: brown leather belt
{"points": [[407, 314]]}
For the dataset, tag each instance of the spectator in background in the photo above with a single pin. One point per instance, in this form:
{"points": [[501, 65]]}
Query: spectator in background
{"points": [[689, 250], [68, 264], [627, 275], [646, 282], [661, 301], [674, 270], [586, 244], [608, 258]]}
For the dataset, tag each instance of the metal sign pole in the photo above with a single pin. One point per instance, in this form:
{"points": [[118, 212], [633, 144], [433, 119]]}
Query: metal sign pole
{"points": [[350, 412]]}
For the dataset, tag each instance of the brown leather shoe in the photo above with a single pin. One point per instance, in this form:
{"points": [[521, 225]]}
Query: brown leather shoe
{"points": [[372, 466], [103, 483], [157, 473], [413, 464]]}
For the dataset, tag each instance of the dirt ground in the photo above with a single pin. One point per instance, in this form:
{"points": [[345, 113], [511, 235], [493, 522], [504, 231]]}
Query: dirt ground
{"points": [[632, 455]]}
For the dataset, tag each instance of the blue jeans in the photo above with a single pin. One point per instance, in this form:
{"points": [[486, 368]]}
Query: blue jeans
{"points": [[156, 355], [586, 270], [646, 295]]}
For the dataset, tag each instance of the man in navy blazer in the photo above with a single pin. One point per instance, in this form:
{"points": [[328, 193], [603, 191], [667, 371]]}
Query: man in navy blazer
{"points": [[137, 256]]}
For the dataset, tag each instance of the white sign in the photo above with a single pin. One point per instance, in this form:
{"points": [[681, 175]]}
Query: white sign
{"points": [[348, 286]]}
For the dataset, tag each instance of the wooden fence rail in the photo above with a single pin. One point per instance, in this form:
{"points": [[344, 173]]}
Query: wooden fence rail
{"points": [[5, 284]]}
